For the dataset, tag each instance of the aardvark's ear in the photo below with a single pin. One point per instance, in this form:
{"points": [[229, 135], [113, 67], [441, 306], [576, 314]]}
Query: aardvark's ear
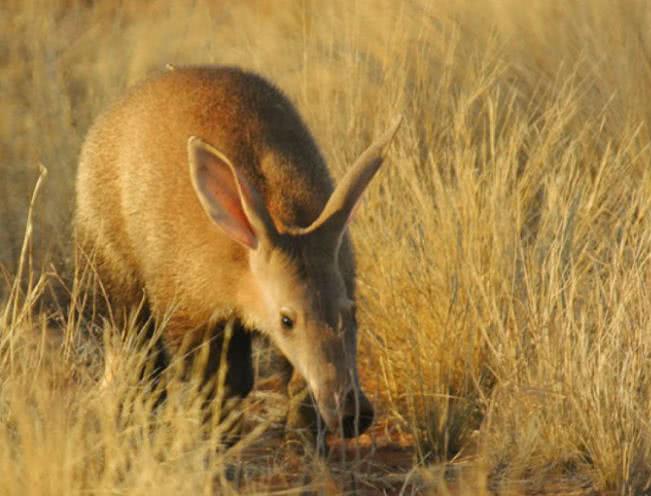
{"points": [[332, 221], [230, 201]]}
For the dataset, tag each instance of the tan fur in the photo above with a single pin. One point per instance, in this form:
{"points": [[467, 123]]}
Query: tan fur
{"points": [[139, 214], [133, 179]]}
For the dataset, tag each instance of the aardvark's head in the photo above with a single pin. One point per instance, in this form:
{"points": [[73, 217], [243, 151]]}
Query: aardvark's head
{"points": [[298, 294]]}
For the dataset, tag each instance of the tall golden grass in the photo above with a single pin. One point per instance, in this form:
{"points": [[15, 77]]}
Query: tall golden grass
{"points": [[503, 252]]}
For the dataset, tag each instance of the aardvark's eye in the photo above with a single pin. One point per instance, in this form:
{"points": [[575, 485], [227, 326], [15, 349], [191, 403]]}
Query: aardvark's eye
{"points": [[286, 321]]}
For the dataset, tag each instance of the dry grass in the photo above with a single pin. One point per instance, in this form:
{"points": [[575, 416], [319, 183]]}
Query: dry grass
{"points": [[504, 251]]}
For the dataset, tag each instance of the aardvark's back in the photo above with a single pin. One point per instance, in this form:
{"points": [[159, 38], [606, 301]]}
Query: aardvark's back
{"points": [[137, 210]]}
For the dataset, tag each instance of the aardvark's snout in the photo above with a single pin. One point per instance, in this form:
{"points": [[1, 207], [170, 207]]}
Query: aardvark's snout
{"points": [[348, 417], [358, 414]]}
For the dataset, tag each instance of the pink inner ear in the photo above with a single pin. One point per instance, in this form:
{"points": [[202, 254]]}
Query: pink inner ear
{"points": [[227, 209], [353, 212]]}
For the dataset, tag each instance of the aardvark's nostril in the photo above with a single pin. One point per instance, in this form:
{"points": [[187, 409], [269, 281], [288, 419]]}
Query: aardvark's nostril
{"points": [[353, 425], [358, 415]]}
